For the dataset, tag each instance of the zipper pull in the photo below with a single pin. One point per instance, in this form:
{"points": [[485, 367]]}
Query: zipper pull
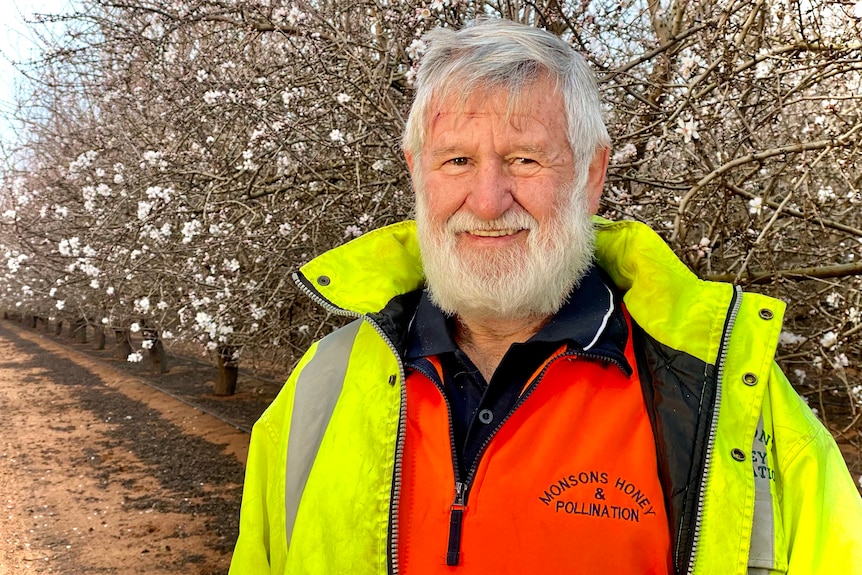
{"points": [[456, 516]]}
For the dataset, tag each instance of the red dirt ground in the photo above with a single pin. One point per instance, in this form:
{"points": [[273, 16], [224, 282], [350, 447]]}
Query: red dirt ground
{"points": [[100, 473]]}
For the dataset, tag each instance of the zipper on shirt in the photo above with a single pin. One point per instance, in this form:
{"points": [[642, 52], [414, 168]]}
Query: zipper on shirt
{"points": [[456, 517]]}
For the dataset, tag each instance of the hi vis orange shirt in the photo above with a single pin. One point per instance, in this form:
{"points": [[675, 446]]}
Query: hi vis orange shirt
{"points": [[568, 484]]}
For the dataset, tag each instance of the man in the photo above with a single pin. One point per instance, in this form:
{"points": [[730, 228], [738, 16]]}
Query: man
{"points": [[526, 390]]}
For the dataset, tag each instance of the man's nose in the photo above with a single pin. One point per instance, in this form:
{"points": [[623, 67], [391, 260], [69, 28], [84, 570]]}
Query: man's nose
{"points": [[491, 193]]}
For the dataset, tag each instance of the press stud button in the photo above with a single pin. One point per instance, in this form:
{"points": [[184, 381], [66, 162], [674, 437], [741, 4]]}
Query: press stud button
{"points": [[737, 454], [749, 379], [766, 314], [486, 416], [323, 280]]}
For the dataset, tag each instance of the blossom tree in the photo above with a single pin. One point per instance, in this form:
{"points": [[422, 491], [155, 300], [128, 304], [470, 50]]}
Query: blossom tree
{"points": [[182, 157]]}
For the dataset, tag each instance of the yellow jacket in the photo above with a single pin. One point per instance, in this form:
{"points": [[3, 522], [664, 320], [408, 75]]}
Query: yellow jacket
{"points": [[754, 482]]}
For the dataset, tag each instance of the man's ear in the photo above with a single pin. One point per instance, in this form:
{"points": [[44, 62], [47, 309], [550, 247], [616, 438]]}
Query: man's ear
{"points": [[596, 178], [408, 157]]}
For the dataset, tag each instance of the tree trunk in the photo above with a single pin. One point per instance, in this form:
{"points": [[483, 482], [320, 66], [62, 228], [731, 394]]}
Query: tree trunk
{"points": [[58, 327], [228, 370], [99, 337], [79, 330], [124, 346], [157, 355]]}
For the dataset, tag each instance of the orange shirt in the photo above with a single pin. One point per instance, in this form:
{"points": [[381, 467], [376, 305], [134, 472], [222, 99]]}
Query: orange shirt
{"points": [[567, 484]]}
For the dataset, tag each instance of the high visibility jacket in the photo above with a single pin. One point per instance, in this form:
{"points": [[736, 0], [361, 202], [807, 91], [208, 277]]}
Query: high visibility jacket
{"points": [[753, 482]]}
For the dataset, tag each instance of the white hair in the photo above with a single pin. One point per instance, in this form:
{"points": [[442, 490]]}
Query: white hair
{"points": [[500, 55]]}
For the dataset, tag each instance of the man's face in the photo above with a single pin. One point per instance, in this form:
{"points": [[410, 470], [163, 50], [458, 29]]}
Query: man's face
{"points": [[503, 217]]}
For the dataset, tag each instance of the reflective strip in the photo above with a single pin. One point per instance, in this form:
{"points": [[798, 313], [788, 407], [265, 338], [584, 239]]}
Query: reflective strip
{"points": [[317, 390], [762, 553]]}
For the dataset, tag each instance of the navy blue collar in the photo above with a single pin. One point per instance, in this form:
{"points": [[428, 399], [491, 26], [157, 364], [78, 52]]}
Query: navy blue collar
{"points": [[591, 321]]}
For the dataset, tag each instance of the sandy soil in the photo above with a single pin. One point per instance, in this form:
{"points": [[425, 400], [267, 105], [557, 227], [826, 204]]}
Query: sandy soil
{"points": [[100, 473]]}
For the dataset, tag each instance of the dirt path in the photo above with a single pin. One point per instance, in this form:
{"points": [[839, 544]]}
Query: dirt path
{"points": [[99, 473]]}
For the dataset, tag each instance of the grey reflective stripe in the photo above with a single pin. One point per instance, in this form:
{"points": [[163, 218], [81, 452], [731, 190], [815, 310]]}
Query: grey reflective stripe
{"points": [[762, 553], [317, 389]]}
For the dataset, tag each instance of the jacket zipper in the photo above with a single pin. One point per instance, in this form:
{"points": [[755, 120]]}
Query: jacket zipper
{"points": [[735, 303], [395, 496], [462, 489]]}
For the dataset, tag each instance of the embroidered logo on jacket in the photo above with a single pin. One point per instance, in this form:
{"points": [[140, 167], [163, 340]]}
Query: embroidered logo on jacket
{"points": [[598, 494]]}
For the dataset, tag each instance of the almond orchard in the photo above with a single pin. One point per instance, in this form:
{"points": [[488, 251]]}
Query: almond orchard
{"points": [[176, 160]]}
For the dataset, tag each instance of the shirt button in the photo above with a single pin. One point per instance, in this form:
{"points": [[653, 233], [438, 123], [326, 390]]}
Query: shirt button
{"points": [[486, 416]]}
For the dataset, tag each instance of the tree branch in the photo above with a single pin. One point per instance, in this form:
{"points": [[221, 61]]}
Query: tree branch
{"points": [[795, 274]]}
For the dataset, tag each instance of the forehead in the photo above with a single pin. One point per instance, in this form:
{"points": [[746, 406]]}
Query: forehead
{"points": [[535, 110]]}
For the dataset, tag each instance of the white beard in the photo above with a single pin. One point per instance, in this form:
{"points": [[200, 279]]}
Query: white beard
{"points": [[529, 280]]}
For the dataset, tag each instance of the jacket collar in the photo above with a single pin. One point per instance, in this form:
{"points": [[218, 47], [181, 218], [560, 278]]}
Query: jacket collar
{"points": [[383, 266]]}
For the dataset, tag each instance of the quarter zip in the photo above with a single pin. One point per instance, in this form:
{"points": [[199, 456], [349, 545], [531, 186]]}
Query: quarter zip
{"points": [[395, 493], [459, 503], [735, 303], [456, 517]]}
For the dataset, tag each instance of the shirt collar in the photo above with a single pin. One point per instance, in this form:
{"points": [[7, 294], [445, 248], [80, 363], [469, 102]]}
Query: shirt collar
{"points": [[591, 320]]}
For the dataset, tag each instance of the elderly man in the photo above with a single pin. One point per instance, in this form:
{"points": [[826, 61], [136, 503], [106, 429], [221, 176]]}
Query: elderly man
{"points": [[526, 389]]}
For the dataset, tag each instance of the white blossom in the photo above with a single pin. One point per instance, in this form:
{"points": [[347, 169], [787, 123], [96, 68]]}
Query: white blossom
{"points": [[841, 360], [755, 205], [212, 96], [144, 210], [135, 357], [135, 327], [825, 194], [688, 129], [416, 49], [190, 230], [788, 338], [829, 340]]}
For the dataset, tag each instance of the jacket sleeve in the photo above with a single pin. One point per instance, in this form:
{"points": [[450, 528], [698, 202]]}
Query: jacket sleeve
{"points": [[821, 509], [261, 548], [251, 555]]}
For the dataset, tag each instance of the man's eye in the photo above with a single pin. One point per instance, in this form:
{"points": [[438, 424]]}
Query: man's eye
{"points": [[458, 161], [524, 161]]}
